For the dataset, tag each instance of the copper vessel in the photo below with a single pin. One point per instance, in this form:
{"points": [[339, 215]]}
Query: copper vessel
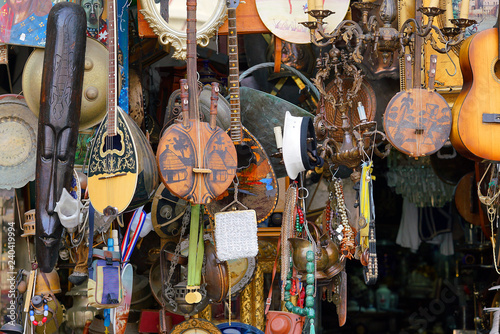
{"points": [[326, 252]]}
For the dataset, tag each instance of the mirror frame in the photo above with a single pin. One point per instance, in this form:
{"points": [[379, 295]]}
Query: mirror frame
{"points": [[177, 39]]}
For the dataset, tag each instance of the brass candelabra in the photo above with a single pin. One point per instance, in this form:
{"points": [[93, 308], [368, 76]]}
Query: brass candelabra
{"points": [[349, 41], [385, 39]]}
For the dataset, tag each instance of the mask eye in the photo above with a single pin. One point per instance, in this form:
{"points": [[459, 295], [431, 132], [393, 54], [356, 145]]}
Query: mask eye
{"points": [[48, 143], [62, 146]]}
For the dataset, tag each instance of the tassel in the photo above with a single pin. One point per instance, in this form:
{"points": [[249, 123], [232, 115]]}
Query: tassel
{"points": [[312, 330]]}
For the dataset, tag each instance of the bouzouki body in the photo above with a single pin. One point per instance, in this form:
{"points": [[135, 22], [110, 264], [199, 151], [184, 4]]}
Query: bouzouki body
{"points": [[257, 186], [122, 175], [122, 170], [177, 160], [257, 189], [417, 121], [197, 160], [476, 118]]}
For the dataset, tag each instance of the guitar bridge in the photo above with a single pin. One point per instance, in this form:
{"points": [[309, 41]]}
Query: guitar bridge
{"points": [[202, 170], [491, 118], [111, 176], [419, 131]]}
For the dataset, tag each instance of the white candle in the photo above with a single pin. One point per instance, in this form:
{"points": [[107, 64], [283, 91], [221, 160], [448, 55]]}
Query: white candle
{"points": [[361, 112], [318, 4], [278, 136], [434, 3], [449, 14], [310, 6], [464, 9]]}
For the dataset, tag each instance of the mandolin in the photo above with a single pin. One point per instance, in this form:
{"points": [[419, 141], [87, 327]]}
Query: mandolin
{"points": [[476, 120], [257, 186], [122, 170], [197, 160]]}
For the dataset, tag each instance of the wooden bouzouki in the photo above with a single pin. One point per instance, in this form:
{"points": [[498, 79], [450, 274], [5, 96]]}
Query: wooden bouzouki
{"points": [[476, 118], [417, 121], [257, 186], [197, 160], [122, 170]]}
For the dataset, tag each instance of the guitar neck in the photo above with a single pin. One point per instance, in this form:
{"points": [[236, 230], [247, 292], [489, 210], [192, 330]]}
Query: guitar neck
{"points": [[234, 84], [417, 75], [113, 69], [498, 29], [191, 60]]}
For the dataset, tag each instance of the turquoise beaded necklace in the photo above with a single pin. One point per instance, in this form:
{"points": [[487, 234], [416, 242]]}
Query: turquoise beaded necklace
{"points": [[308, 310]]}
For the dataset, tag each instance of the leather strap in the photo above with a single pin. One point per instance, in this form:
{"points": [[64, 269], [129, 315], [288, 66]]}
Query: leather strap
{"points": [[51, 293], [270, 294], [91, 234]]}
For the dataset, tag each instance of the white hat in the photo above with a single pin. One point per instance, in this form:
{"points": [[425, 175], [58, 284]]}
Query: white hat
{"points": [[296, 146]]}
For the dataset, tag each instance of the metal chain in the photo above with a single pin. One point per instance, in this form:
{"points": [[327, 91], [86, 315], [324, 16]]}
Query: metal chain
{"points": [[18, 296], [169, 292]]}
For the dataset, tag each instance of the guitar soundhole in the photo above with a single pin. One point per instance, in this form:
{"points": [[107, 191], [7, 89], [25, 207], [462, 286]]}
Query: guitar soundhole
{"points": [[496, 69], [113, 143], [245, 156]]}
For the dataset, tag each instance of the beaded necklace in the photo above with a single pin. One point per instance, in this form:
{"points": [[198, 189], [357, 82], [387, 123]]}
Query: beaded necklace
{"points": [[347, 245], [36, 303], [308, 310], [290, 285], [287, 230]]}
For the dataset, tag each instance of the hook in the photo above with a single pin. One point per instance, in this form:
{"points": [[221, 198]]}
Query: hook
{"points": [[236, 183], [332, 172], [454, 66]]}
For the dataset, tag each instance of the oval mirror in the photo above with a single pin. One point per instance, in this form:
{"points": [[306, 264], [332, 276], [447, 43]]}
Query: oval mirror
{"points": [[171, 26]]}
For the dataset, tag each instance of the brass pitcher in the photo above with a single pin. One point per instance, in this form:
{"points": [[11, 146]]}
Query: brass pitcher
{"points": [[327, 252]]}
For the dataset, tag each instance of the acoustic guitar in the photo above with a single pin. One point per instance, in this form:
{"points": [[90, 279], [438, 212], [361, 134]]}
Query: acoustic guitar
{"points": [[122, 170], [257, 186], [197, 160], [476, 120]]}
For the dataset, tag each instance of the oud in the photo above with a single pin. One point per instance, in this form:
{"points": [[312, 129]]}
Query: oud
{"points": [[197, 160], [122, 171], [257, 186]]}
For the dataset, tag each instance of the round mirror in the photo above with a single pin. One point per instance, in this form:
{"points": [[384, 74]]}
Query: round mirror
{"points": [[167, 18]]}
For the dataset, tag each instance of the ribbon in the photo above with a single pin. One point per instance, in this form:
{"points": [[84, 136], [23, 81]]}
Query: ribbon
{"points": [[365, 202], [128, 243]]}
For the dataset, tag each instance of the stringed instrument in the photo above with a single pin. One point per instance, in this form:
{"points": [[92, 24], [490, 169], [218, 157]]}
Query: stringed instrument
{"points": [[257, 185], [122, 170], [417, 121], [197, 160], [476, 121], [466, 200]]}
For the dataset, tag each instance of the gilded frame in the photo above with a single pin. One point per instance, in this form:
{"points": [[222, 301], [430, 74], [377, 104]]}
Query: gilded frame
{"points": [[169, 36]]}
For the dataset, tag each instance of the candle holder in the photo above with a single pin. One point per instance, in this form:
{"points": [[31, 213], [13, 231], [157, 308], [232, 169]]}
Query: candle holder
{"points": [[347, 144], [449, 36], [367, 33]]}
